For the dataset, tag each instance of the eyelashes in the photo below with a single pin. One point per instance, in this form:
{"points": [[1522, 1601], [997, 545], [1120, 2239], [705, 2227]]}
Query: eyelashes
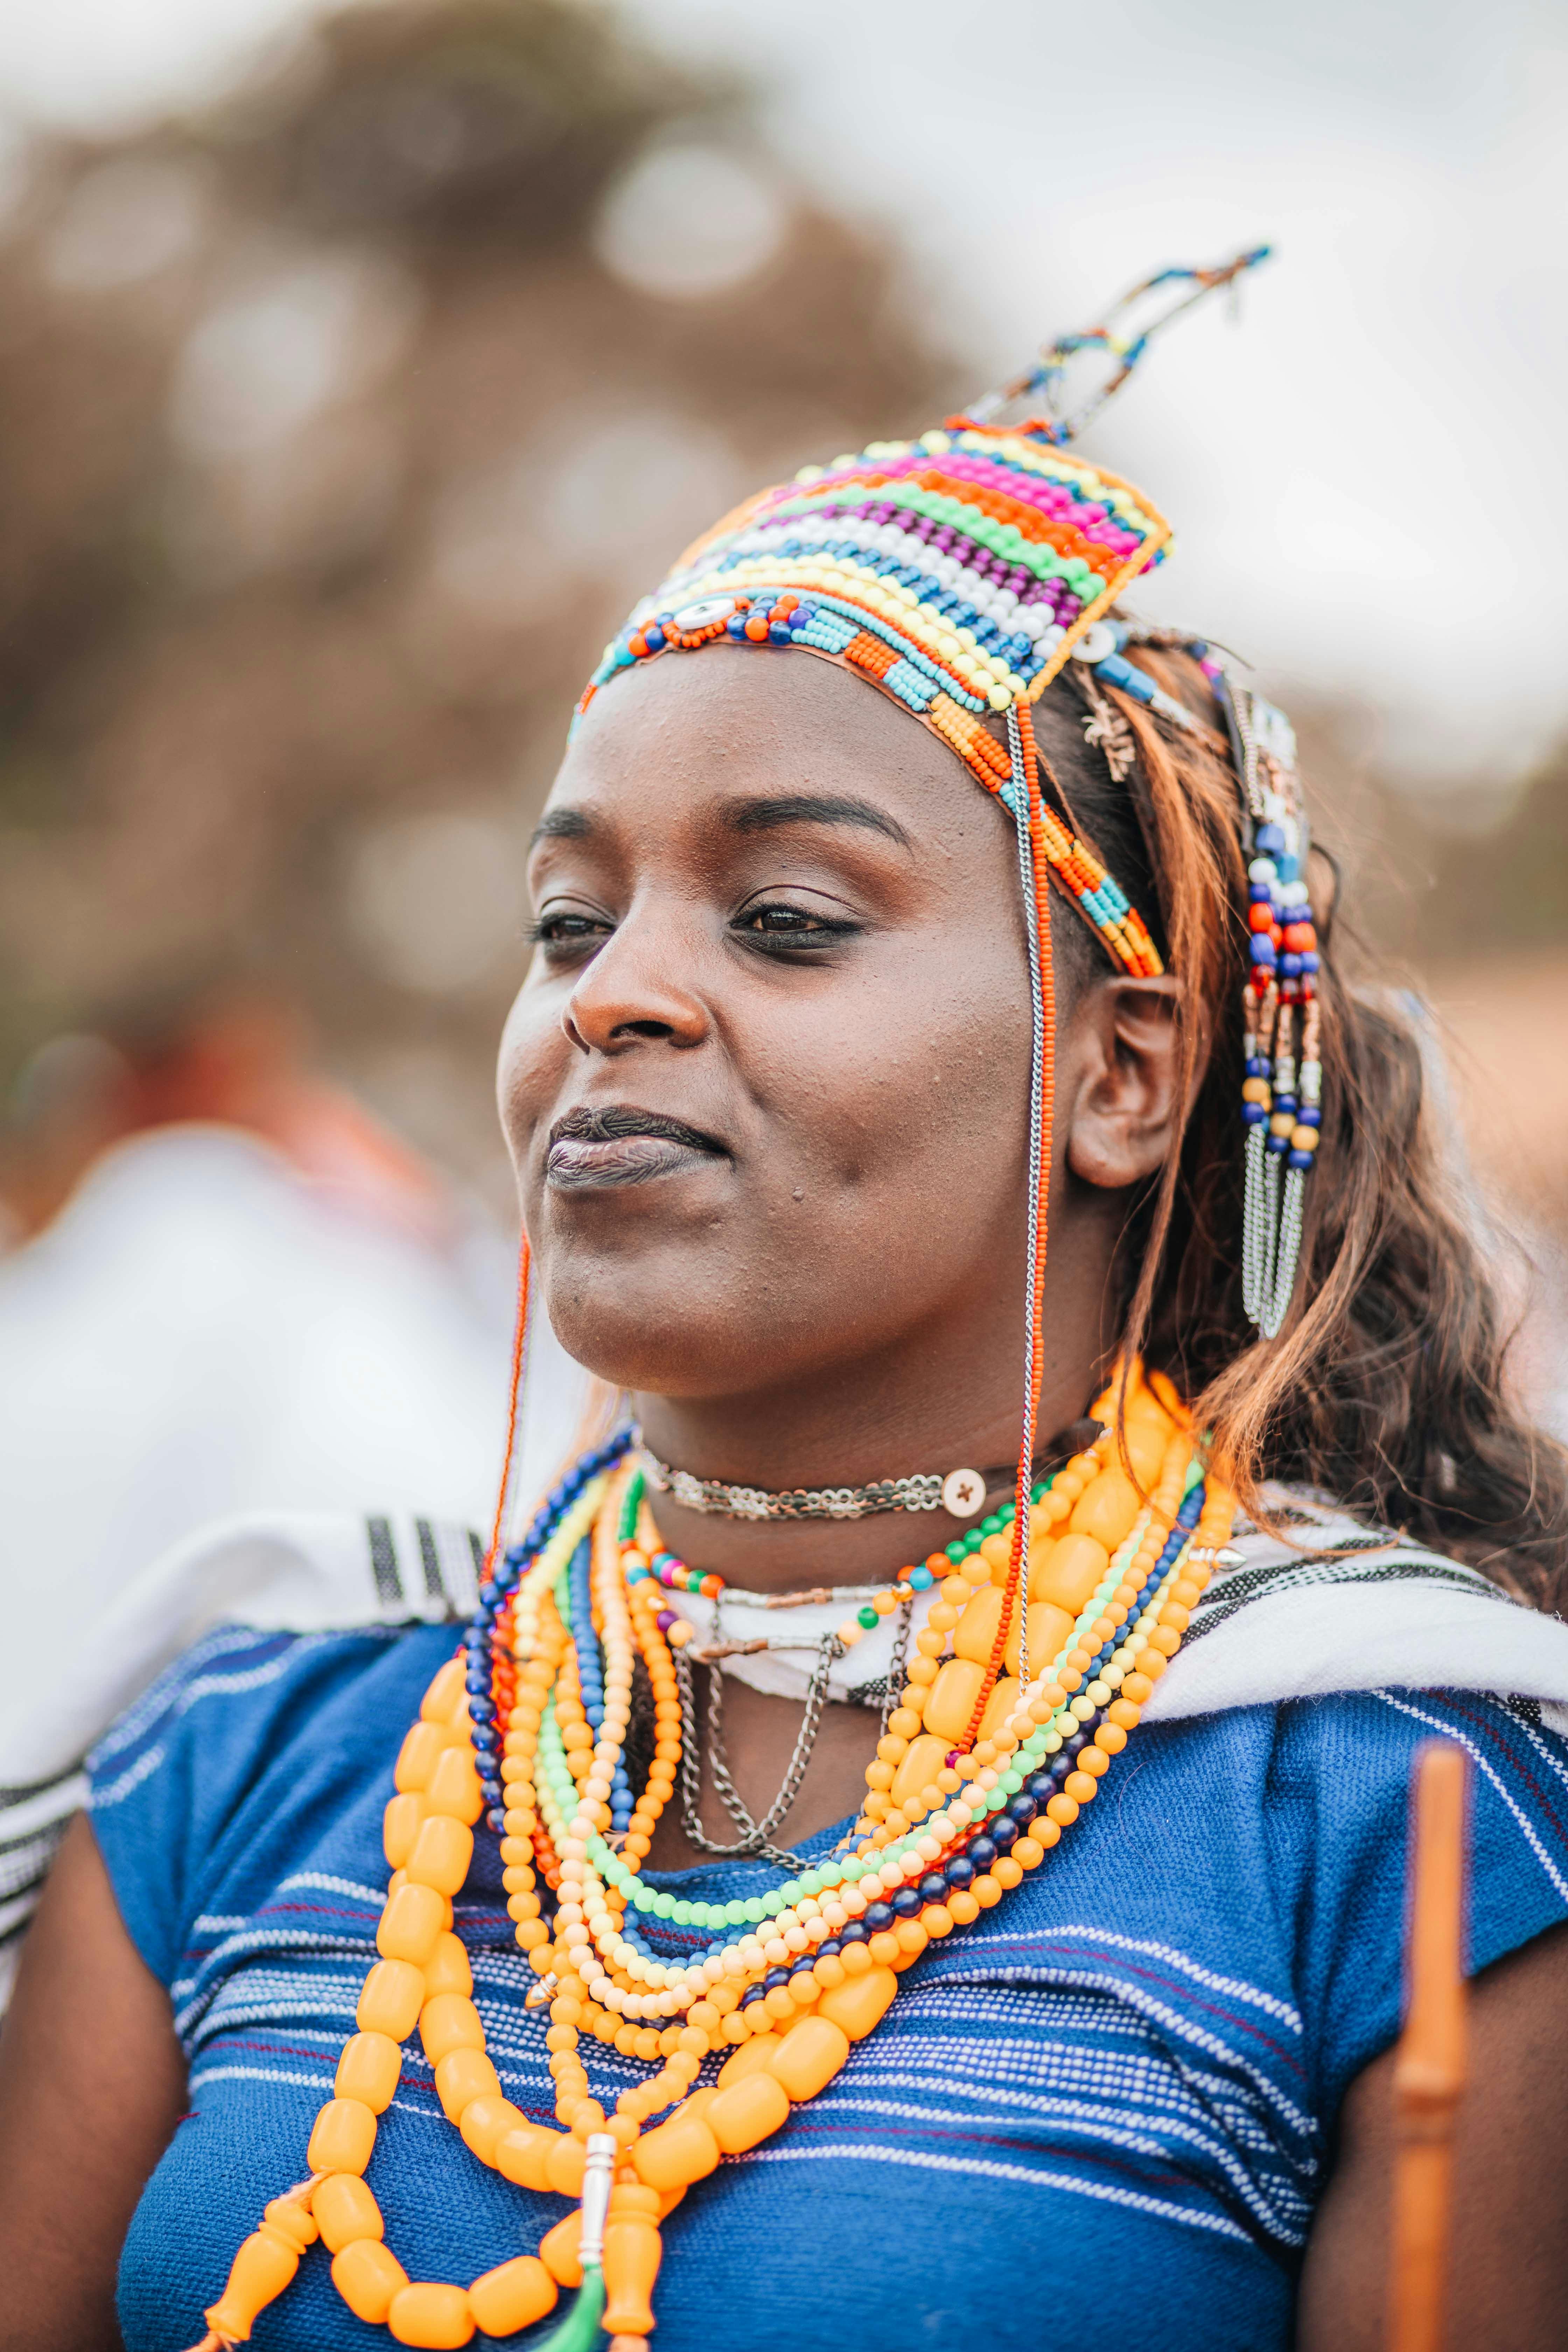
{"points": [[778, 924], [565, 930], [775, 928]]}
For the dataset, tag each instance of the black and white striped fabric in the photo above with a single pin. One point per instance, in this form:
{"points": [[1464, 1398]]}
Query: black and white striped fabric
{"points": [[424, 1567], [1322, 1603], [306, 1571], [1323, 1547], [32, 1822]]}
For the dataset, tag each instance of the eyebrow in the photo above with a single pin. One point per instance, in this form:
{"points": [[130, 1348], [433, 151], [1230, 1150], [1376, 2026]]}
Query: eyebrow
{"points": [[772, 814], [561, 824]]}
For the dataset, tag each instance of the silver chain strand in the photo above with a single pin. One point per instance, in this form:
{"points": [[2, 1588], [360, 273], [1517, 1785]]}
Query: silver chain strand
{"points": [[1254, 1246], [1036, 1105], [920, 1492], [1241, 708], [1270, 1225], [1290, 1254], [892, 1696], [755, 1841], [829, 1649]]}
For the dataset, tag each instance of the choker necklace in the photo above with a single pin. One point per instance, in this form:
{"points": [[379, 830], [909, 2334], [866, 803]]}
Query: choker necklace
{"points": [[962, 1493]]}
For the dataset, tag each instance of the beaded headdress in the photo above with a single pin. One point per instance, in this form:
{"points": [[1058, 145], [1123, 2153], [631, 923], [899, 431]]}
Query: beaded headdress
{"points": [[958, 572]]}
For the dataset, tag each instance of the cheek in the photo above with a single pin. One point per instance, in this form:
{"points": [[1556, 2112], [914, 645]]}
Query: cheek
{"points": [[534, 1051], [918, 1114]]}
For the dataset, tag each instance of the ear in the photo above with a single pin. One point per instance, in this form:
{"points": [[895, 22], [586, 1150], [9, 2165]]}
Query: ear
{"points": [[1122, 1095]]}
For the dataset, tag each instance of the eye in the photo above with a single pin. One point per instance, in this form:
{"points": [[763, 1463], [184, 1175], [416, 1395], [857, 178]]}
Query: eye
{"points": [[565, 931], [776, 923]]}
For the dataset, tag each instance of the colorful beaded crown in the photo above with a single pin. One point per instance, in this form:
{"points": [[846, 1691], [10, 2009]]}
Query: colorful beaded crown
{"points": [[957, 572]]}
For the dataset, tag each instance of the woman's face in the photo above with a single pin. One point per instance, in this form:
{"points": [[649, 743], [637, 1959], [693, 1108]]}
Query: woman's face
{"points": [[766, 1083]]}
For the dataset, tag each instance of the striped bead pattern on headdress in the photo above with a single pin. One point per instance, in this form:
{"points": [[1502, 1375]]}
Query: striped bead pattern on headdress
{"points": [[957, 572]]}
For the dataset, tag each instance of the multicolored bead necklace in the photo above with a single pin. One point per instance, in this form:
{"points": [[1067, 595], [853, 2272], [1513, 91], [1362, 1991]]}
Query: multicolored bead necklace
{"points": [[529, 1724]]}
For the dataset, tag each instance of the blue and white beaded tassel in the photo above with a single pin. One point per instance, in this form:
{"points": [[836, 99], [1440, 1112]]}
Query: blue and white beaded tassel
{"points": [[1260, 1201], [1281, 982], [1303, 1112]]}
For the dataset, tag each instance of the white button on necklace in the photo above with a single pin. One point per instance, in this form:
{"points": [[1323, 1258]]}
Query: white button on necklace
{"points": [[962, 1493]]}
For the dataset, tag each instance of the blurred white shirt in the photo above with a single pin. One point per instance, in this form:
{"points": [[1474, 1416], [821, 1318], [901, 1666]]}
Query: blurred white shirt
{"points": [[199, 1336]]}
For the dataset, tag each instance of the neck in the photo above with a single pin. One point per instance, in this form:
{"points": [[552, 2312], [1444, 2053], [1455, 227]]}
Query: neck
{"points": [[938, 1402]]}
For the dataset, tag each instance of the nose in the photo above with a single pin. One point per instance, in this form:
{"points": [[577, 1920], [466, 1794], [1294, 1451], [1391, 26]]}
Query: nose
{"points": [[630, 994]]}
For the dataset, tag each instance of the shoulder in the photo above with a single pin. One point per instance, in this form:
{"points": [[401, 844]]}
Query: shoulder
{"points": [[300, 1570], [1294, 1817], [311, 1571], [239, 1752], [1315, 1602], [279, 1574], [1336, 1803]]}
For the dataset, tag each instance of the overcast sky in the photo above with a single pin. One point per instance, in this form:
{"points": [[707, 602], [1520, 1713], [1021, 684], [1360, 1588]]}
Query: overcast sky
{"points": [[1367, 475]]}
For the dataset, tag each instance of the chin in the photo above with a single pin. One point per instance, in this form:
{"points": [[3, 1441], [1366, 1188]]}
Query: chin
{"points": [[671, 1321]]}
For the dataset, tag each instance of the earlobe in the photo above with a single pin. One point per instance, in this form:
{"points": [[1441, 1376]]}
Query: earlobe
{"points": [[1121, 1064]]}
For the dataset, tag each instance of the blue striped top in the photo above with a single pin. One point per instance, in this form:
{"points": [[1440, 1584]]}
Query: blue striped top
{"points": [[1127, 2072]]}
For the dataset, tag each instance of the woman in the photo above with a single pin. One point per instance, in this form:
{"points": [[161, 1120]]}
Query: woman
{"points": [[817, 1043]]}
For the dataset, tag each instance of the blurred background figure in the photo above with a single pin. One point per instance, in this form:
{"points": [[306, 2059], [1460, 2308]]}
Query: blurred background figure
{"points": [[230, 1293], [229, 1288], [325, 375]]}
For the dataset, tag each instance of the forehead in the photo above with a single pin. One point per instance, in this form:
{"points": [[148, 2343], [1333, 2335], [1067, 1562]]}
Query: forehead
{"points": [[675, 733]]}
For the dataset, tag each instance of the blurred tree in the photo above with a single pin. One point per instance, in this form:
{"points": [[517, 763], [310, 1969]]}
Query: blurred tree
{"points": [[338, 427], [1508, 887]]}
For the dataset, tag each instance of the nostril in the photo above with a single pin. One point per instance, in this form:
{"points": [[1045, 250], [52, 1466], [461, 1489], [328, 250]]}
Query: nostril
{"points": [[655, 1029]]}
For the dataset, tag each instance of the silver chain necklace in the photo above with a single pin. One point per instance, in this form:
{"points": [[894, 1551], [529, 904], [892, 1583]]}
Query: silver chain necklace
{"points": [[757, 1836]]}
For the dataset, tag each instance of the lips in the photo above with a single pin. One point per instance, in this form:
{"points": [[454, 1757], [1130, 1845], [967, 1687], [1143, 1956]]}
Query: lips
{"points": [[618, 1145]]}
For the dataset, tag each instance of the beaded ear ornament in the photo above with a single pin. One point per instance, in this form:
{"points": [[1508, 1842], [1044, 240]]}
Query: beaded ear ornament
{"points": [[1282, 1091], [1283, 1075]]}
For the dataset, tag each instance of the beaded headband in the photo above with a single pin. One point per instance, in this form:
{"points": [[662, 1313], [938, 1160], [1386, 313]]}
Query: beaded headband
{"points": [[957, 572]]}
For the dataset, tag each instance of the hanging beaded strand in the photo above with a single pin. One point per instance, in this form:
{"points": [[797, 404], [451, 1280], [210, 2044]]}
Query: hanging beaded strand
{"points": [[505, 1490], [1283, 1086], [1026, 818], [1261, 1205]]}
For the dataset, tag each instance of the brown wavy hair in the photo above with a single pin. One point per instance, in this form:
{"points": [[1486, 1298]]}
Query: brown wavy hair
{"points": [[1387, 1386]]}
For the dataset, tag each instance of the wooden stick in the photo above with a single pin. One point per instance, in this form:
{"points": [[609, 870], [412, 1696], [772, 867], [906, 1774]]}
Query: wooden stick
{"points": [[1429, 2065]]}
